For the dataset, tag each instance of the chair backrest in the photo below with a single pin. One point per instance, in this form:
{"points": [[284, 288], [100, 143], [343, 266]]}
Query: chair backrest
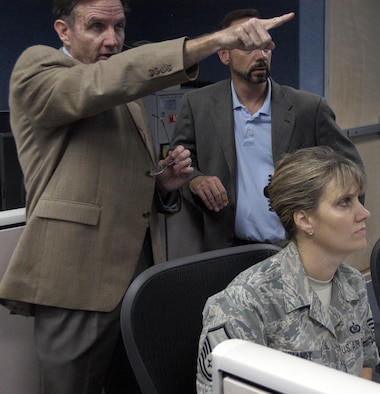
{"points": [[161, 315], [375, 270]]}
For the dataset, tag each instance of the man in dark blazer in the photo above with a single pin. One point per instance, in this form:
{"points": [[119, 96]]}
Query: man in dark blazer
{"points": [[91, 208], [237, 130]]}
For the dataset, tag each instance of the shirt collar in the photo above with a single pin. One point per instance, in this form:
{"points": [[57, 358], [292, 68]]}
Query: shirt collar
{"points": [[66, 52], [265, 109], [297, 282]]}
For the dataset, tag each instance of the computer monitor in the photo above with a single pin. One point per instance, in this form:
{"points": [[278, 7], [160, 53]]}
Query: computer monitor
{"points": [[241, 367]]}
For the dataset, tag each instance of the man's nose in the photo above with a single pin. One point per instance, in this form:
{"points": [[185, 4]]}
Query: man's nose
{"points": [[262, 53], [111, 38]]}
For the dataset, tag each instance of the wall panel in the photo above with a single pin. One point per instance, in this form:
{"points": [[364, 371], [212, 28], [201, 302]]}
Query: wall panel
{"points": [[354, 94]]}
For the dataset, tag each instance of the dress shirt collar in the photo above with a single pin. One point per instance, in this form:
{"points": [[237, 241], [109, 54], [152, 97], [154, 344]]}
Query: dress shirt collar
{"points": [[66, 52]]}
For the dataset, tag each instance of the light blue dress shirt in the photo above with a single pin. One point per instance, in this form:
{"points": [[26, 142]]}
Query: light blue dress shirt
{"points": [[253, 138]]}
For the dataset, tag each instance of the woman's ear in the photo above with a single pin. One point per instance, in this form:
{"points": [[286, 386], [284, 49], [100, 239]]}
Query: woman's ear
{"points": [[224, 57], [303, 222]]}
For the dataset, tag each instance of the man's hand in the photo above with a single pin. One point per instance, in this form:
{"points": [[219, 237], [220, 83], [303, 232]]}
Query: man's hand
{"points": [[250, 35], [211, 191], [176, 174]]}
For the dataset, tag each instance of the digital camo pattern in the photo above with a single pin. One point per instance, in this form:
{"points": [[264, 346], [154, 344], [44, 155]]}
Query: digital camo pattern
{"points": [[273, 304]]}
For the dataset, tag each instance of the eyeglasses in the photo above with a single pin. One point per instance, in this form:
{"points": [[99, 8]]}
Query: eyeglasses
{"points": [[160, 169]]}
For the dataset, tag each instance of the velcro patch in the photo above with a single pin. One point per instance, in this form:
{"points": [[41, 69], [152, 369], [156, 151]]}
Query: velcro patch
{"points": [[371, 324], [213, 338]]}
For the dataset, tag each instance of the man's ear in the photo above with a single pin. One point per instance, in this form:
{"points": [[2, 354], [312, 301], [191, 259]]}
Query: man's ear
{"points": [[224, 57], [302, 221], [62, 29]]}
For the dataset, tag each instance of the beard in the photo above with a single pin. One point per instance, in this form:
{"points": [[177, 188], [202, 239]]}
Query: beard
{"points": [[252, 76]]}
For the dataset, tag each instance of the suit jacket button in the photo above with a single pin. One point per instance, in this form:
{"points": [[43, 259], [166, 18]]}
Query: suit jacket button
{"points": [[151, 72], [146, 214]]}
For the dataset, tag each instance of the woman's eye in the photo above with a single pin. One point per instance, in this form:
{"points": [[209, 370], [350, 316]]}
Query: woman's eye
{"points": [[345, 202]]}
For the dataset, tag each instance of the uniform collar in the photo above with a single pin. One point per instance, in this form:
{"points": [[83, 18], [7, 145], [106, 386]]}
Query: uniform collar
{"points": [[298, 292]]}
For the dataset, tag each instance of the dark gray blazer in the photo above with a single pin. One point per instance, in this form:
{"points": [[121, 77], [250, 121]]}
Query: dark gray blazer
{"points": [[205, 127]]}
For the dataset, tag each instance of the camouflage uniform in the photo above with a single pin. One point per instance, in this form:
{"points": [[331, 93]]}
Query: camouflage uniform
{"points": [[273, 304]]}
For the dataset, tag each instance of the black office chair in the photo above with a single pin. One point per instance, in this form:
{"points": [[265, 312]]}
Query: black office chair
{"points": [[375, 276], [375, 270], [161, 315]]}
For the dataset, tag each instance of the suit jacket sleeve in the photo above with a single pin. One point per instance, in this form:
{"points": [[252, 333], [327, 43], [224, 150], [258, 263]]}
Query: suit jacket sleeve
{"points": [[329, 133], [57, 90], [184, 134], [301, 119], [205, 126]]}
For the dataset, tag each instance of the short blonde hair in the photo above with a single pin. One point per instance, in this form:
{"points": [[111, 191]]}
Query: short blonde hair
{"points": [[300, 179]]}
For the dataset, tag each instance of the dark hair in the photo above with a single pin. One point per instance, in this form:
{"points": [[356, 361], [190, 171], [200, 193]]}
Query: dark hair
{"points": [[64, 9], [300, 180], [237, 15]]}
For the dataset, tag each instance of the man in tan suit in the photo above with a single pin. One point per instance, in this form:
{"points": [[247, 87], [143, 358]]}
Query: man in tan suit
{"points": [[85, 149]]}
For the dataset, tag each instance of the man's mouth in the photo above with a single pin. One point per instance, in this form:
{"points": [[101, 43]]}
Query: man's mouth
{"points": [[105, 56], [260, 68]]}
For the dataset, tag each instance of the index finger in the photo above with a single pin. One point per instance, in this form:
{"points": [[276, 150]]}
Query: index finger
{"points": [[277, 21]]}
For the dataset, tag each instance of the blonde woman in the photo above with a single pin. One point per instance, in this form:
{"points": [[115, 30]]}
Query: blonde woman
{"points": [[304, 300]]}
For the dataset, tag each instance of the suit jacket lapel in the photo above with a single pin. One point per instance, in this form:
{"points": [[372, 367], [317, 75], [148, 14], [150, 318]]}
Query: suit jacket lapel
{"points": [[224, 123], [283, 122], [137, 110]]}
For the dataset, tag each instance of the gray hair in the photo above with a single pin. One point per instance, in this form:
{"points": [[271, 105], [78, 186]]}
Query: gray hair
{"points": [[65, 9]]}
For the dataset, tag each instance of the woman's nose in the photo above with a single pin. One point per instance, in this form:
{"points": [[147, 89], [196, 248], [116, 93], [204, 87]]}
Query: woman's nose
{"points": [[363, 212]]}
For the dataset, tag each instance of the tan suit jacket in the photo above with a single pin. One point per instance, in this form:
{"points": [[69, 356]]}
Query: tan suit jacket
{"points": [[84, 153]]}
